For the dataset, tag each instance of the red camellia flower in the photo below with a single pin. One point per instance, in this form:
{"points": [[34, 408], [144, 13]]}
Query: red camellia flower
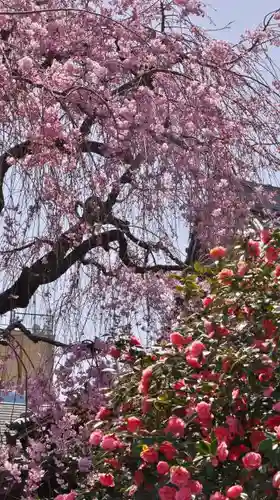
{"points": [[168, 450], [222, 331], [269, 327], [113, 462], [234, 491], [177, 339], [272, 422], [162, 467], [179, 476], [149, 455], [225, 276], [276, 480], [207, 301], [256, 438], [252, 460], [133, 424], [103, 413], [218, 252], [138, 477], [107, 480], [114, 352], [236, 451]]}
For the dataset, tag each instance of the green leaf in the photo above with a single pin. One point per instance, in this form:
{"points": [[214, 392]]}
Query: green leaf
{"points": [[266, 446], [204, 448], [213, 446]]}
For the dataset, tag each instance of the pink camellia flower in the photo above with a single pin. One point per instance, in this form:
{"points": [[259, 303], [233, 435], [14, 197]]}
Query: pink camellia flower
{"points": [[271, 255], [183, 494], [252, 460], [242, 268], [268, 391], [193, 361], [276, 407], [95, 438], [145, 406], [107, 480], [195, 487], [175, 426], [67, 496], [168, 450], [196, 348], [277, 271], [179, 476], [167, 493], [177, 339], [134, 341], [149, 455], [234, 491], [222, 451], [179, 384], [207, 301], [145, 381], [265, 235], [217, 496], [203, 410], [162, 467], [110, 443], [225, 276], [218, 252], [133, 424], [209, 327], [276, 480], [103, 413], [277, 430], [254, 248]]}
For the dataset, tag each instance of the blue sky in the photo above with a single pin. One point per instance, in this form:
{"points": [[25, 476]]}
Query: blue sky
{"points": [[245, 14]]}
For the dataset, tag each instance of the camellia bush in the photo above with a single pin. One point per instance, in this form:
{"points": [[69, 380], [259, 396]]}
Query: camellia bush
{"points": [[198, 416]]}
